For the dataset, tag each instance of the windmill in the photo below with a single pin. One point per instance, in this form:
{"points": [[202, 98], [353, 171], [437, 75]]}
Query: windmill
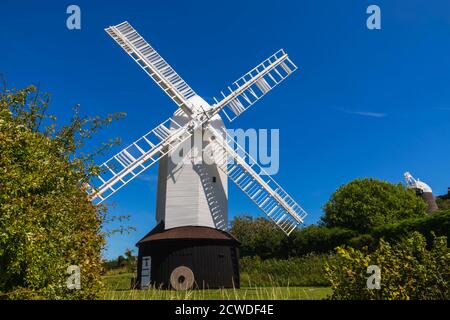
{"points": [[190, 246], [423, 190]]}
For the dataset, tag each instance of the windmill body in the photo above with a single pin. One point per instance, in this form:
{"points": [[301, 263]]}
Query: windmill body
{"points": [[190, 247], [192, 192]]}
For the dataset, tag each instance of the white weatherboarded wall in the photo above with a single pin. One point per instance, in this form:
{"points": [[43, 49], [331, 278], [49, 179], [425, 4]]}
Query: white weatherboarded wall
{"points": [[192, 193]]}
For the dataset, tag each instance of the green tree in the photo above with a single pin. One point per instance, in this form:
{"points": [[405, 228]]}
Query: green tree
{"points": [[364, 204], [47, 223], [408, 271], [131, 260], [443, 202], [258, 237]]}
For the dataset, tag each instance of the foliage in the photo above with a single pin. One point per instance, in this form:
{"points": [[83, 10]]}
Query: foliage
{"points": [[47, 222], [362, 241], [130, 260], [304, 271], [257, 236], [437, 223], [318, 239], [122, 264], [260, 237], [364, 204], [408, 270], [443, 202], [322, 239]]}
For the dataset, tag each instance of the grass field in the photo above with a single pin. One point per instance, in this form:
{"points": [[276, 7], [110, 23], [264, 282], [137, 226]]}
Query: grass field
{"points": [[117, 288]]}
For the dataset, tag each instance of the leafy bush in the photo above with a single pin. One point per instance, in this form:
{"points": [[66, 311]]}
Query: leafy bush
{"points": [[258, 237], [364, 204], [443, 202], [47, 222], [304, 271], [318, 239], [358, 214], [361, 241], [437, 223], [408, 270]]}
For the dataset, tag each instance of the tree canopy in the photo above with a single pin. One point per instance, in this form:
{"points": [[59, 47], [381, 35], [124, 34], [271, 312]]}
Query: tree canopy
{"points": [[257, 236], [47, 222], [364, 204]]}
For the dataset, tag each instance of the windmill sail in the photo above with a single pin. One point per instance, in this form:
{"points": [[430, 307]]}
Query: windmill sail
{"points": [[153, 64], [268, 195], [119, 170], [134, 159], [129, 166], [255, 84]]}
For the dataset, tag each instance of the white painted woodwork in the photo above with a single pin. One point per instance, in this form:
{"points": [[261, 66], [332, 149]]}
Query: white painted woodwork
{"points": [[194, 193], [187, 194]]}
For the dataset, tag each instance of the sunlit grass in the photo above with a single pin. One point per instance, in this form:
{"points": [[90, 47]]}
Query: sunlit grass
{"points": [[117, 289], [264, 293]]}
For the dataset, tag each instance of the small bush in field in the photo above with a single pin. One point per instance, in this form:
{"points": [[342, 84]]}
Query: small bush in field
{"points": [[408, 270]]}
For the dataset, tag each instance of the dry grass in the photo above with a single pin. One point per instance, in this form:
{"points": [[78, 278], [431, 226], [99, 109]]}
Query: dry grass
{"points": [[264, 293]]}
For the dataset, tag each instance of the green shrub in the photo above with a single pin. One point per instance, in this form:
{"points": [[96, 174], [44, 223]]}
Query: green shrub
{"points": [[408, 270], [443, 202], [362, 241], [304, 271], [364, 204], [258, 236], [437, 223], [318, 239], [47, 222]]}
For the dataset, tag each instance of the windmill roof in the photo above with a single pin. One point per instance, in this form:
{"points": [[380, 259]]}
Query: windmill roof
{"points": [[186, 233]]}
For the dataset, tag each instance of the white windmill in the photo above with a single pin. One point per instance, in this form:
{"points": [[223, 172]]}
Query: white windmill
{"points": [[192, 196], [422, 189]]}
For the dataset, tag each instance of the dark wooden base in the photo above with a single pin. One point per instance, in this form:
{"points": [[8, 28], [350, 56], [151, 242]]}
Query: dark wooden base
{"points": [[188, 258]]}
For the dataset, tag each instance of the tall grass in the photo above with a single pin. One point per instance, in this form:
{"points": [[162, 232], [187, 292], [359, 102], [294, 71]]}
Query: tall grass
{"points": [[272, 279], [253, 293]]}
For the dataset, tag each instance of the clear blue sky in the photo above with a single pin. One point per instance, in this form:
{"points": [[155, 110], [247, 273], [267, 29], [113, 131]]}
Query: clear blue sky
{"points": [[364, 103]]}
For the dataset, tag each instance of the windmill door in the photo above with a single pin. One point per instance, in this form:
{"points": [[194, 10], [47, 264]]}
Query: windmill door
{"points": [[146, 271]]}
